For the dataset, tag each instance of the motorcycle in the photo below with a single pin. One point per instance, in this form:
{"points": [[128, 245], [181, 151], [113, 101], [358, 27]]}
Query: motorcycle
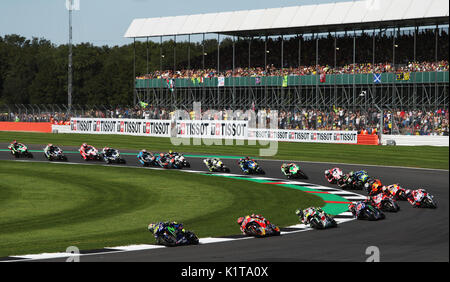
{"points": [[163, 162], [333, 175], [56, 154], [172, 237], [397, 192], [113, 157], [21, 151], [345, 182], [385, 203], [423, 199], [252, 167], [368, 211], [90, 154], [217, 166], [181, 161], [147, 159], [293, 172], [261, 229], [322, 221]]}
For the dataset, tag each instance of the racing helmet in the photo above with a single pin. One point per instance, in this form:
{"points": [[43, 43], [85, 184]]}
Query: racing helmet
{"points": [[151, 227], [240, 220], [50, 145], [376, 184], [161, 155], [327, 172], [84, 145], [144, 151], [299, 212], [15, 142], [170, 151]]}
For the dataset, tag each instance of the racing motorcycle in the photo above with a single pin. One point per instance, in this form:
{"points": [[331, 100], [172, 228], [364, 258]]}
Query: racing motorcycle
{"points": [[90, 154], [385, 203], [217, 166], [163, 161], [55, 154], [252, 167], [293, 171], [397, 192], [333, 175], [172, 237], [366, 211], [345, 182], [181, 161], [20, 151], [261, 229], [322, 221], [422, 199], [147, 159], [112, 157]]}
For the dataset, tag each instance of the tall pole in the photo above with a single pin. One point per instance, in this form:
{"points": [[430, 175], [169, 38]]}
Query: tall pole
{"points": [[69, 88], [282, 54]]}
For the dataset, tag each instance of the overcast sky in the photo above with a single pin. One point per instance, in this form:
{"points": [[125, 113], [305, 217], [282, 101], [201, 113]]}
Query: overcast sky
{"points": [[104, 22]]}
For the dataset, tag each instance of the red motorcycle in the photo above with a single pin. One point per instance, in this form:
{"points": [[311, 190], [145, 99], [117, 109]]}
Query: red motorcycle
{"points": [[385, 203], [333, 175], [395, 191], [420, 198], [89, 153]]}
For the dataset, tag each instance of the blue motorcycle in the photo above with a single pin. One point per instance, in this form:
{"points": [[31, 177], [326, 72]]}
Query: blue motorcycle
{"points": [[250, 167]]}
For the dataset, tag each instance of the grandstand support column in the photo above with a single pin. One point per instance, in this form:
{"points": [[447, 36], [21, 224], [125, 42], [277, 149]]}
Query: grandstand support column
{"points": [[354, 72], [436, 32], [373, 48], [147, 83], [203, 48], [189, 52], [218, 54], [233, 93], [317, 69], [134, 71], [174, 54], [282, 52], [300, 50], [249, 50]]}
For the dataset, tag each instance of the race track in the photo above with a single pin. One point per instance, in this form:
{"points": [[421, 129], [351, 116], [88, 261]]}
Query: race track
{"points": [[409, 235]]}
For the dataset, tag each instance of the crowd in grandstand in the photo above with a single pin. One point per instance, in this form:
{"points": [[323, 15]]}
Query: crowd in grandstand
{"points": [[302, 70], [404, 122]]}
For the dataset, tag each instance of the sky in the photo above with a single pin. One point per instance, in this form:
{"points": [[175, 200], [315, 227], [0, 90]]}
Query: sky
{"points": [[104, 22]]}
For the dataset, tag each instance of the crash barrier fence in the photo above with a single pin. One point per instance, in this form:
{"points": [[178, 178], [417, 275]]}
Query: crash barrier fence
{"points": [[43, 127], [415, 140], [217, 129]]}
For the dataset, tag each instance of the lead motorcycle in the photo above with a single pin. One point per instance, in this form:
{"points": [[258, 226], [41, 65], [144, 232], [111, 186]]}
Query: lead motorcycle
{"points": [[421, 199]]}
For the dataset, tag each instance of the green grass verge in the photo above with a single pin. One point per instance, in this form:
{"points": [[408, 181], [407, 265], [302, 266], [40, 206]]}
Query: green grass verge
{"points": [[403, 156], [48, 207]]}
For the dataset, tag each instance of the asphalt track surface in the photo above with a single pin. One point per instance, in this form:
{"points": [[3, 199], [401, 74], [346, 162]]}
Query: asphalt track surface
{"points": [[409, 235]]}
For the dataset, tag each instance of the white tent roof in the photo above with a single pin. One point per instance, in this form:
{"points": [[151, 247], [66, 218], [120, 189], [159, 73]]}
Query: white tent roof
{"points": [[291, 20]]}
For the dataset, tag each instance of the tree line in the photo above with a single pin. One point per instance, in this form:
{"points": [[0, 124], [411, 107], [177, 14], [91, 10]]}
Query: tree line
{"points": [[35, 71]]}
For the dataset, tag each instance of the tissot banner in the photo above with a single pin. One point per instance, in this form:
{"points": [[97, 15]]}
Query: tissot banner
{"points": [[310, 136], [138, 127], [227, 129]]}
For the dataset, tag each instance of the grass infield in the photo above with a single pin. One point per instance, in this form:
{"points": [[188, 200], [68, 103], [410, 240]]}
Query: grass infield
{"points": [[48, 207], [403, 156]]}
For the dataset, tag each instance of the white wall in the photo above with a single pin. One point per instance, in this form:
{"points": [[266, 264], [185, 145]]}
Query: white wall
{"points": [[415, 140]]}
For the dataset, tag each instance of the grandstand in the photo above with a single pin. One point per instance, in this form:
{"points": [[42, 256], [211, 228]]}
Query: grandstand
{"points": [[357, 55]]}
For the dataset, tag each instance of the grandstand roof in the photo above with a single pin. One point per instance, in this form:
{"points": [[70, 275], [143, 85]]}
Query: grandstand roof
{"points": [[317, 18]]}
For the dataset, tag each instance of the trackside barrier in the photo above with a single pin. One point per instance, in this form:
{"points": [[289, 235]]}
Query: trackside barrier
{"points": [[417, 140], [44, 127], [368, 139]]}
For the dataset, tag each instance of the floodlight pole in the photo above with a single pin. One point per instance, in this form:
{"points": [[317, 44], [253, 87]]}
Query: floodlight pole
{"points": [[69, 88]]}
